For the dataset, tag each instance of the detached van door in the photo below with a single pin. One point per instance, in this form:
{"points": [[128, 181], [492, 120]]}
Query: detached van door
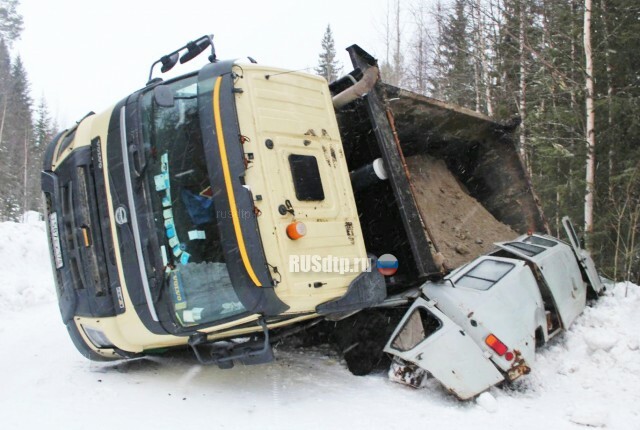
{"points": [[584, 258], [429, 339]]}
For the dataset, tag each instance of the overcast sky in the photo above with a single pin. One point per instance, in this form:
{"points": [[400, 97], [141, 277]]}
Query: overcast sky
{"points": [[85, 55]]}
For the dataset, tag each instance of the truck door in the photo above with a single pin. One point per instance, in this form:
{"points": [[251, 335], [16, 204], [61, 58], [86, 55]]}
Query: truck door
{"points": [[429, 339], [583, 257]]}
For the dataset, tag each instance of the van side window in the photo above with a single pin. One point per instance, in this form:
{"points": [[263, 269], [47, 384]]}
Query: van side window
{"points": [[306, 177], [484, 275]]}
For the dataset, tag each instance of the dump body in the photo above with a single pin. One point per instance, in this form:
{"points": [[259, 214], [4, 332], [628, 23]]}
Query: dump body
{"points": [[455, 181]]}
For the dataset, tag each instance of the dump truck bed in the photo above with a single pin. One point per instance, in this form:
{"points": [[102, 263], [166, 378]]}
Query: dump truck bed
{"points": [[455, 185]]}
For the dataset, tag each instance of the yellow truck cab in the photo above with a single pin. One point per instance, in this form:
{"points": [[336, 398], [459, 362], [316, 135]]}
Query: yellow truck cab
{"points": [[174, 214]]}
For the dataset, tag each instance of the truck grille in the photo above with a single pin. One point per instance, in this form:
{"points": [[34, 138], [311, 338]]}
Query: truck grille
{"points": [[82, 234]]}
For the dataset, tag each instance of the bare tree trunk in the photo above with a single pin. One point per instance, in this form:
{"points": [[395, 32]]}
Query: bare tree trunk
{"points": [[26, 170], [609, 69], [440, 72], [486, 73], [590, 131], [574, 101], [558, 198], [4, 116], [633, 222], [523, 89], [387, 34], [486, 77], [397, 56], [477, 79], [420, 67]]}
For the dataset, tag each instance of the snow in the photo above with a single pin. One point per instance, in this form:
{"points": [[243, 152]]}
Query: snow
{"points": [[588, 377], [27, 277]]}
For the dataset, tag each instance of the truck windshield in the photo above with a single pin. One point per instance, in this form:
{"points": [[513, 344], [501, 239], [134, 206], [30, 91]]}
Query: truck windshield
{"points": [[198, 289]]}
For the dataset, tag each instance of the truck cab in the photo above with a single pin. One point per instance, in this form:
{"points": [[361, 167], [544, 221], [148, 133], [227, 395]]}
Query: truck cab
{"points": [[174, 214]]}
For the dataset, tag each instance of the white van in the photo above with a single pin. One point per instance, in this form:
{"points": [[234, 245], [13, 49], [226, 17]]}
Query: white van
{"points": [[480, 325]]}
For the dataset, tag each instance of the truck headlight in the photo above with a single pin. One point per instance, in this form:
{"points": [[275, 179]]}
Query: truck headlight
{"points": [[97, 337]]}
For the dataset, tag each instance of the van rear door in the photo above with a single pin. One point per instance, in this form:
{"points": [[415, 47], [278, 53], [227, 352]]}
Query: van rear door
{"points": [[583, 257], [429, 339]]}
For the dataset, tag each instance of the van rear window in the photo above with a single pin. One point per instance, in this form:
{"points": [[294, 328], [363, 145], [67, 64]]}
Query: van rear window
{"points": [[306, 177], [525, 248], [484, 275], [540, 241]]}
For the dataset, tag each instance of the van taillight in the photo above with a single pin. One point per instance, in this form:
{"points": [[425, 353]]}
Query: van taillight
{"points": [[495, 344]]}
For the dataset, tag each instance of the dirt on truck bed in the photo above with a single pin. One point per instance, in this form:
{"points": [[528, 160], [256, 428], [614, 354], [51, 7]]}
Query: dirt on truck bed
{"points": [[461, 228]]}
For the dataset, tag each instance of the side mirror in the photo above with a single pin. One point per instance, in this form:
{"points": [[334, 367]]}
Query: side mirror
{"points": [[194, 49], [163, 96], [168, 61]]}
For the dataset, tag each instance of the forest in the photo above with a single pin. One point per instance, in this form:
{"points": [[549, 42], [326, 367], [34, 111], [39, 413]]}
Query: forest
{"points": [[567, 69], [26, 125]]}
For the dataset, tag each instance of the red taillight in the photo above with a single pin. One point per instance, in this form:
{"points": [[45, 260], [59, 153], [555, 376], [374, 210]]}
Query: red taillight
{"points": [[508, 356], [495, 344]]}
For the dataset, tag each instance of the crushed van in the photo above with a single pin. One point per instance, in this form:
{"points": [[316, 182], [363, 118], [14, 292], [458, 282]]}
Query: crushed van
{"points": [[480, 325]]}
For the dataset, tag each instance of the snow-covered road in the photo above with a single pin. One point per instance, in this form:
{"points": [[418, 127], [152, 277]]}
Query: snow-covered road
{"points": [[588, 377]]}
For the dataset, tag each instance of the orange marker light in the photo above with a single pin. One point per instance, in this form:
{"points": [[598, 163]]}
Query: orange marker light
{"points": [[296, 230], [86, 237], [495, 344]]}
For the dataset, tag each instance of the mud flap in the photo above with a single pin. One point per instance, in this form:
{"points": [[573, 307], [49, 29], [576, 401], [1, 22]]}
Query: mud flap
{"points": [[587, 265], [429, 339]]}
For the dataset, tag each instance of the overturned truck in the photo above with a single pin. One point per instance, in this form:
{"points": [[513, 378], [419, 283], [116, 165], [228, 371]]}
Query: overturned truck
{"points": [[183, 215]]}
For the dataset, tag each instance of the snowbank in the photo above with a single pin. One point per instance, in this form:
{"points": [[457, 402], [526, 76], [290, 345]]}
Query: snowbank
{"points": [[586, 378], [24, 253]]}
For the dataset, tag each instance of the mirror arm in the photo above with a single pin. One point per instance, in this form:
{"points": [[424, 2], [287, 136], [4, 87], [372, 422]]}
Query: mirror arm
{"points": [[151, 71]]}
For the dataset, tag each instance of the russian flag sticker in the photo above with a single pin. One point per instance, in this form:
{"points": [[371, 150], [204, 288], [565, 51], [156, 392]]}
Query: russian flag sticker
{"points": [[387, 264]]}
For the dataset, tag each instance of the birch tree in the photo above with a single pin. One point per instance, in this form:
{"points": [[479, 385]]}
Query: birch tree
{"points": [[590, 128]]}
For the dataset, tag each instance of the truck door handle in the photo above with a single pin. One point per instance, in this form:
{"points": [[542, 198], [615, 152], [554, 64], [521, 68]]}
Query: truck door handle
{"points": [[136, 164]]}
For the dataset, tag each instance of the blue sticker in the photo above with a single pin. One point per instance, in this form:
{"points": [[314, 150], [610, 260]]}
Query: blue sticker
{"points": [[171, 232], [161, 181], [185, 258]]}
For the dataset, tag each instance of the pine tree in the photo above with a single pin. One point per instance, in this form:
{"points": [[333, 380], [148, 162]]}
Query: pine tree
{"points": [[5, 149], [328, 66], [438, 78], [42, 130], [19, 134], [11, 23], [455, 52]]}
